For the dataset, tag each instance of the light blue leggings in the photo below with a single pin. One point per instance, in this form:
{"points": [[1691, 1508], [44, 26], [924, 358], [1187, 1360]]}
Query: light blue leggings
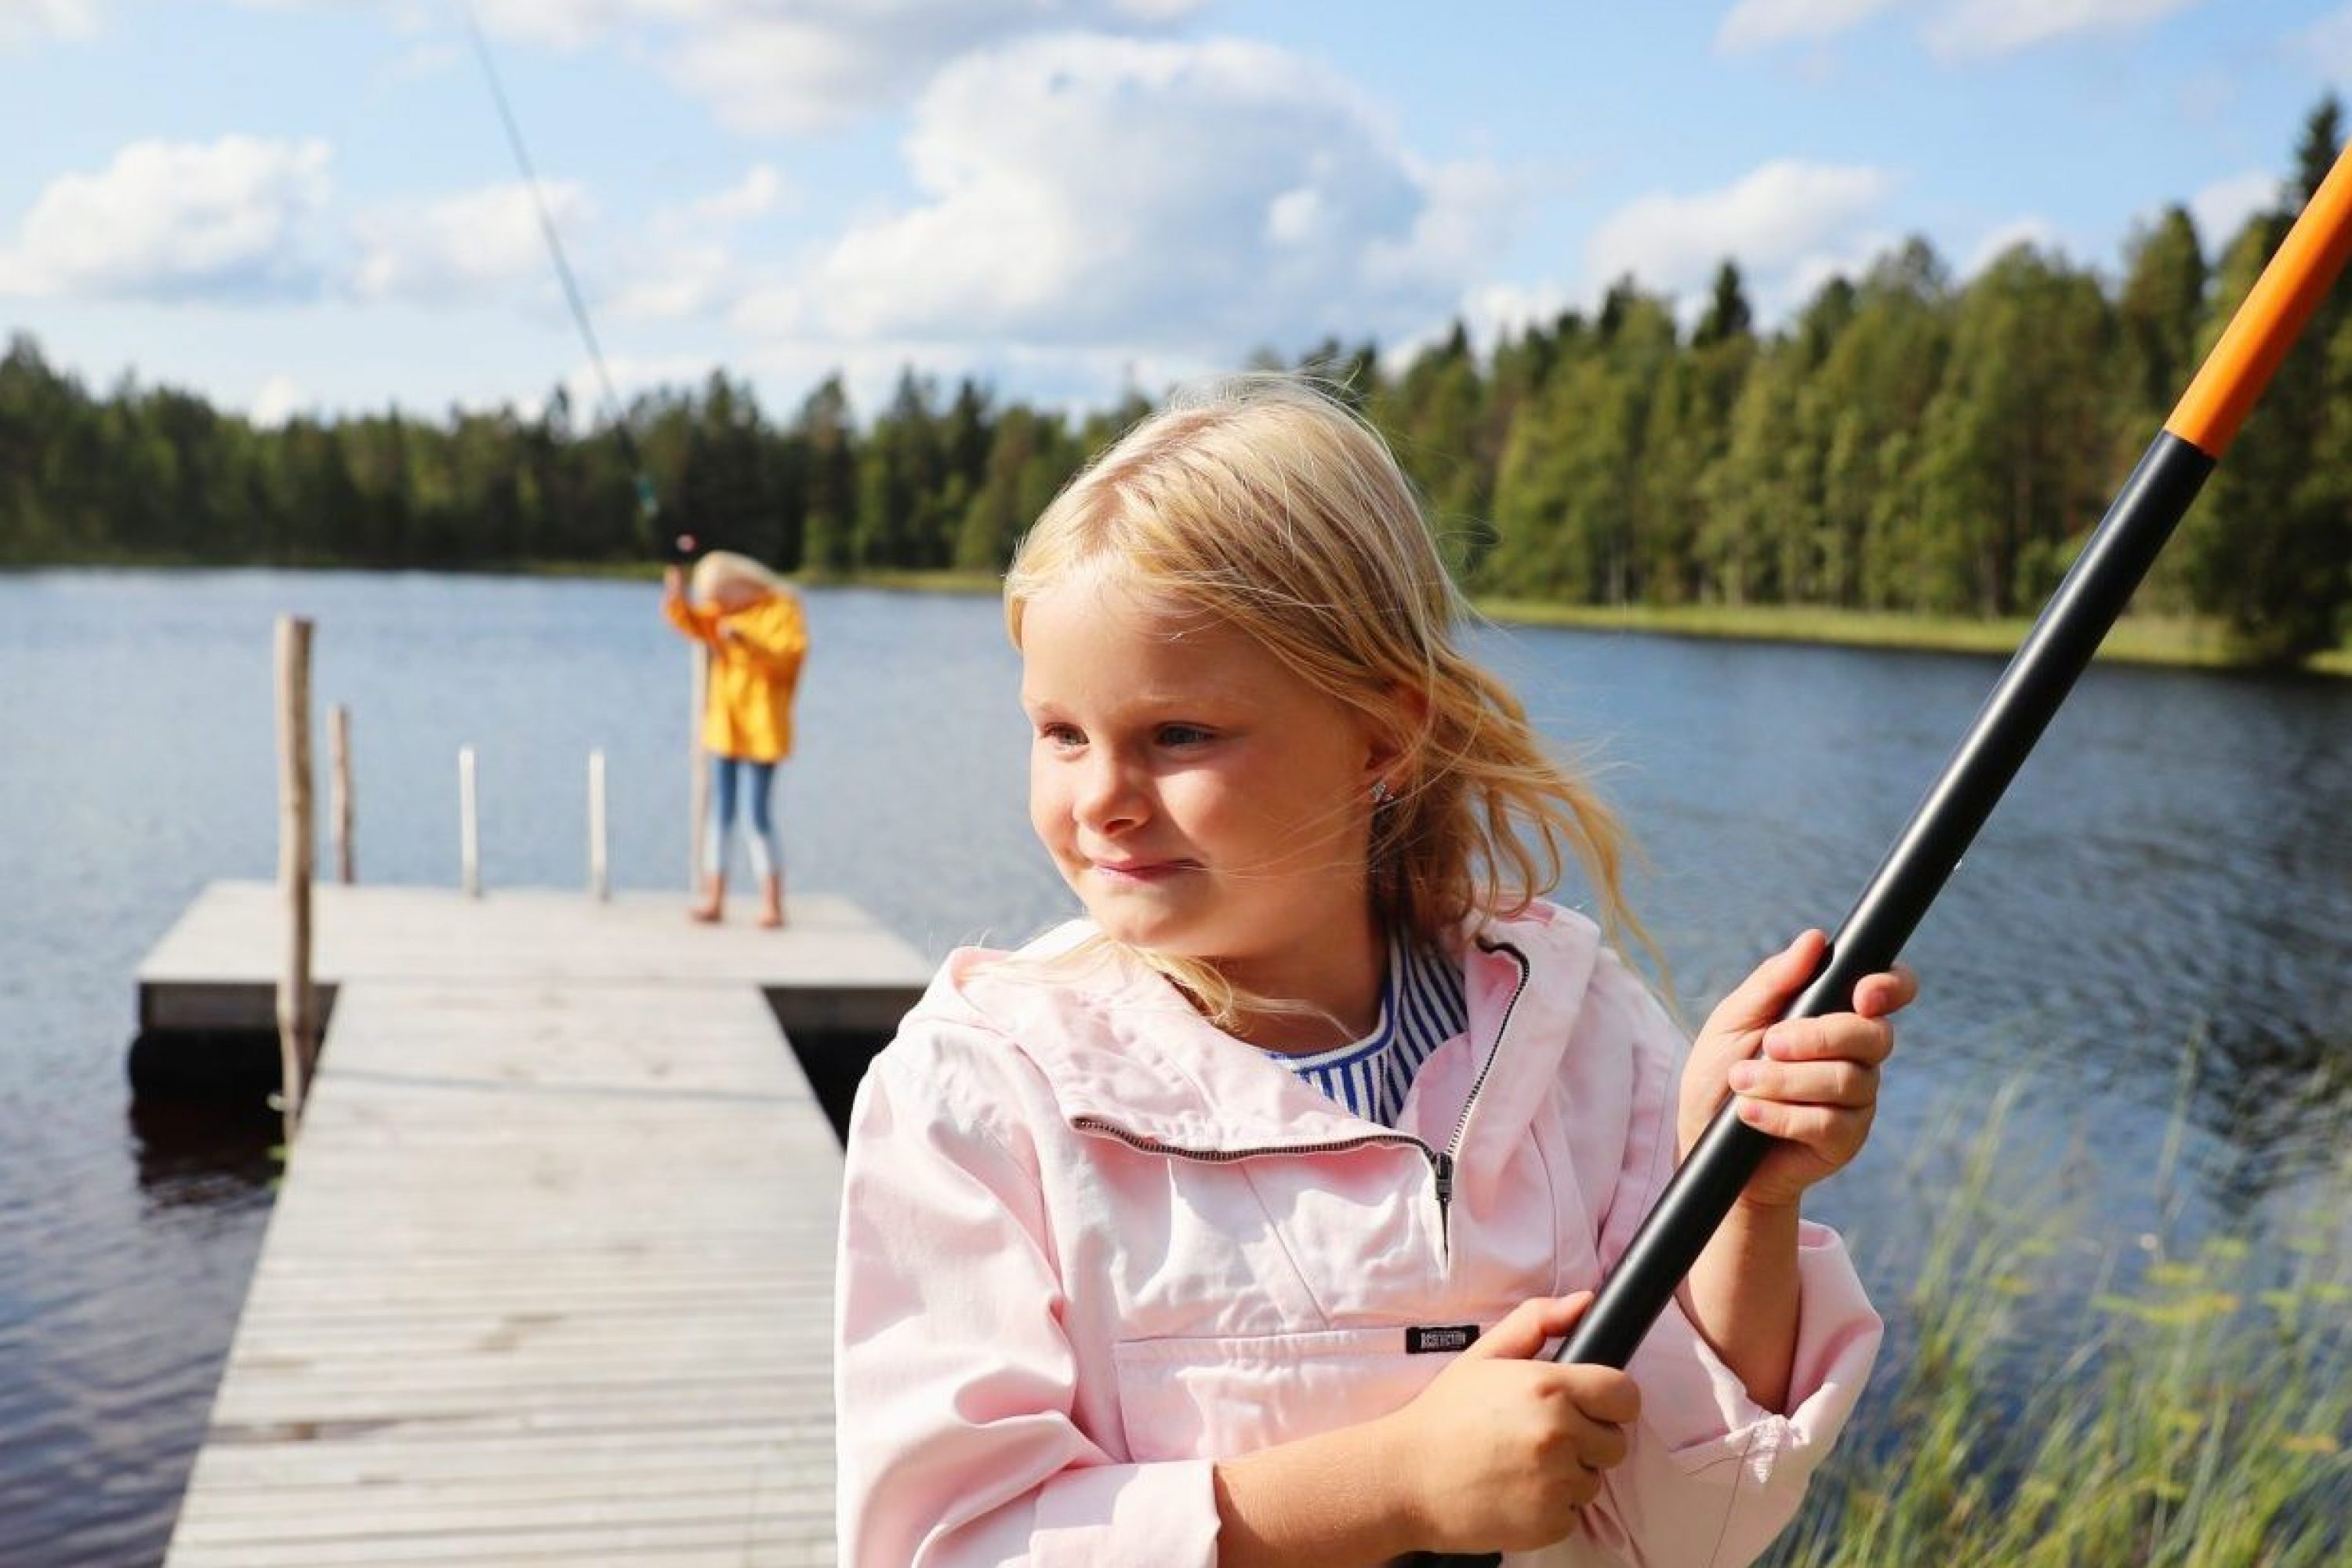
{"points": [[761, 840]]}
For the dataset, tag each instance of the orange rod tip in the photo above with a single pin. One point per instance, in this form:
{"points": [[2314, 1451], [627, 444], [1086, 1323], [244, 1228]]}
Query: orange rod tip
{"points": [[2298, 277]]}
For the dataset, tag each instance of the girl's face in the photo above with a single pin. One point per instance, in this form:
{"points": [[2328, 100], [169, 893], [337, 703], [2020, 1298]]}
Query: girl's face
{"points": [[1202, 799]]}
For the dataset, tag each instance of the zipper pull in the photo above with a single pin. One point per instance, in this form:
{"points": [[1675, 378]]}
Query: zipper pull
{"points": [[1442, 1168]]}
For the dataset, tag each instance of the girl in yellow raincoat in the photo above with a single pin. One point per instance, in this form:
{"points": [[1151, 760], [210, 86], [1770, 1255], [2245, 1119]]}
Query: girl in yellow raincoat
{"points": [[751, 620]]}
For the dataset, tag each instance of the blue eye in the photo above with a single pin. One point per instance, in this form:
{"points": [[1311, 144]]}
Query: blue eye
{"points": [[1063, 736], [1182, 735]]}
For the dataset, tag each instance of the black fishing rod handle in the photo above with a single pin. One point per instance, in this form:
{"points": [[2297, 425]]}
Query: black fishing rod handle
{"points": [[1704, 1186], [1727, 1152], [1685, 1215]]}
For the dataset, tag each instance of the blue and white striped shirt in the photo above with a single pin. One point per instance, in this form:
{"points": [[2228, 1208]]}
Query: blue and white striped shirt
{"points": [[1421, 1007]]}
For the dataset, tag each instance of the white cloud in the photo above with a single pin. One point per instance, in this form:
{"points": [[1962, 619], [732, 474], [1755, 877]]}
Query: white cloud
{"points": [[1787, 224], [685, 265], [801, 65], [758, 191], [1157, 10], [235, 218], [27, 22], [2038, 232], [1796, 287], [567, 24], [2222, 208], [1465, 207], [1489, 312], [1177, 197], [682, 281], [1756, 24], [792, 74], [633, 375], [279, 399], [1974, 28], [466, 249]]}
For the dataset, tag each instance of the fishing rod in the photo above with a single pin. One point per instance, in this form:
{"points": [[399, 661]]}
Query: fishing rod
{"points": [[675, 549], [1928, 851]]}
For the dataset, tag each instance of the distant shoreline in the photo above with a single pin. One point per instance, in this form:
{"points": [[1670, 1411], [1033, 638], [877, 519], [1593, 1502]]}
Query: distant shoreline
{"points": [[2176, 642]]}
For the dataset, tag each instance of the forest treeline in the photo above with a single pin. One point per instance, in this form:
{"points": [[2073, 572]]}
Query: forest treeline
{"points": [[1904, 442]]}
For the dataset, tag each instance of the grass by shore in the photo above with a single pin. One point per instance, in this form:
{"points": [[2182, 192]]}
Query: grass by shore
{"points": [[2136, 639], [2196, 1415]]}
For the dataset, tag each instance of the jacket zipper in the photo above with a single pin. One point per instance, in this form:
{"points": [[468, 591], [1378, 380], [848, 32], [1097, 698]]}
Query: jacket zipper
{"points": [[1227, 1156], [1442, 1161], [1440, 1164], [1462, 1127], [1445, 1159]]}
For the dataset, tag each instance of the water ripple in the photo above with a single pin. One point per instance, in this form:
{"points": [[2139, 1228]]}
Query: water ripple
{"points": [[2170, 881]]}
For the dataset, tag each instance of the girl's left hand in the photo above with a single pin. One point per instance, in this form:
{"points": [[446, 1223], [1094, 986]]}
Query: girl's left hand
{"points": [[1812, 1083]]}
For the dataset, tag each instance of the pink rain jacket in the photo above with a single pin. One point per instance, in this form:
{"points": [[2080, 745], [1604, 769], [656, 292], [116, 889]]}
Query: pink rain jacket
{"points": [[1090, 1244]]}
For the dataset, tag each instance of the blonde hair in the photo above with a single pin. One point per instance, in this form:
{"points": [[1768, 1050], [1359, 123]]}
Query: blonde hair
{"points": [[720, 567], [1263, 501]]}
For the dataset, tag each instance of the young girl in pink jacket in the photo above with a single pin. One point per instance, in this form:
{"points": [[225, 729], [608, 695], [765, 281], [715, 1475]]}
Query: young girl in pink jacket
{"points": [[1226, 1226]]}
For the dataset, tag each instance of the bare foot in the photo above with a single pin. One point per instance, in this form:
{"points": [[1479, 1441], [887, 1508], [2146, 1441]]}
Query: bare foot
{"points": [[772, 916], [706, 914]]}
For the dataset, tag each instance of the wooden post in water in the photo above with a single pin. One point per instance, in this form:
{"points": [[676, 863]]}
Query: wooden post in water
{"points": [[470, 837], [600, 882], [297, 1010], [698, 773], [339, 808]]}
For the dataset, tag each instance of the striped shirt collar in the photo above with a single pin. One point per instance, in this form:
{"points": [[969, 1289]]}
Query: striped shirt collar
{"points": [[1421, 1007]]}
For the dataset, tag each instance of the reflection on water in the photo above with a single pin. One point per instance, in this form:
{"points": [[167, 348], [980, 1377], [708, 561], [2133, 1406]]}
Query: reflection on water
{"points": [[204, 1154], [2172, 874]]}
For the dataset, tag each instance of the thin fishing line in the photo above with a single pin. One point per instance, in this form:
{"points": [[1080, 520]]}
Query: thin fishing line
{"points": [[546, 221]]}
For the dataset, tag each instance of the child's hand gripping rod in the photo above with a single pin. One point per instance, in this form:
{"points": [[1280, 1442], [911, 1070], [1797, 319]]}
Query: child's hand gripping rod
{"points": [[2091, 595]]}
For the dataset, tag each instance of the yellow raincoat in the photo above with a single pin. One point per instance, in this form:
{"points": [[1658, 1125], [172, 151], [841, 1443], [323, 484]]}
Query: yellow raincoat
{"points": [[755, 665]]}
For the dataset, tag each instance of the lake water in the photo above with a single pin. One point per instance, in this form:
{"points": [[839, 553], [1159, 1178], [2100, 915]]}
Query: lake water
{"points": [[2171, 880]]}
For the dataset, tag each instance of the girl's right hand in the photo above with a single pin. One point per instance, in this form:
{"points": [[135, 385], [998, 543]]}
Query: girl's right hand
{"points": [[1502, 1450]]}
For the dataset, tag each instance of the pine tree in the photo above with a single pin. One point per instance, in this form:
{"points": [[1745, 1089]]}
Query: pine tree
{"points": [[1728, 315]]}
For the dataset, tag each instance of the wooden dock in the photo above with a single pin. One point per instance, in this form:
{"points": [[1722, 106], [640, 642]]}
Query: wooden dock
{"points": [[549, 1280]]}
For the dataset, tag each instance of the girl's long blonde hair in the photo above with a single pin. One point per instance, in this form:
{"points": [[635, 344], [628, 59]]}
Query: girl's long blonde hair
{"points": [[726, 566], [1265, 502]]}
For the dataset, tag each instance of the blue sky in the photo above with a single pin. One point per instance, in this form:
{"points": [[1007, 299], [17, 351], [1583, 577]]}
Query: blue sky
{"points": [[293, 204]]}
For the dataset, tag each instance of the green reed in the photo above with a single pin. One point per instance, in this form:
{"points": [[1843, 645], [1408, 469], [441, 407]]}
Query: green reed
{"points": [[2196, 1412]]}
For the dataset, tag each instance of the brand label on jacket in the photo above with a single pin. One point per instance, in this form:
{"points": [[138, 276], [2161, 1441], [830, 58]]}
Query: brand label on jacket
{"points": [[1451, 1337]]}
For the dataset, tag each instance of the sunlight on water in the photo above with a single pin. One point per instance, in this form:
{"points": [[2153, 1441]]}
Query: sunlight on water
{"points": [[2174, 866]]}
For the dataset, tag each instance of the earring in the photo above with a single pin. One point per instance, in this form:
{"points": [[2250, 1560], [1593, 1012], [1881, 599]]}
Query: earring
{"points": [[1382, 793]]}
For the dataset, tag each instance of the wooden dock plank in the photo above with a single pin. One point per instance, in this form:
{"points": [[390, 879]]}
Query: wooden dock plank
{"points": [[832, 968], [549, 1280]]}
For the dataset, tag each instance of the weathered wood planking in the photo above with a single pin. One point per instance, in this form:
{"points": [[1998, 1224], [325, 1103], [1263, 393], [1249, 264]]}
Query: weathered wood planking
{"points": [[217, 965], [549, 1280]]}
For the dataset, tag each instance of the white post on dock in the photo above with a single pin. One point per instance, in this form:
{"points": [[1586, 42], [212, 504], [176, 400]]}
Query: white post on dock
{"points": [[339, 800], [599, 881], [469, 839], [297, 1010]]}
